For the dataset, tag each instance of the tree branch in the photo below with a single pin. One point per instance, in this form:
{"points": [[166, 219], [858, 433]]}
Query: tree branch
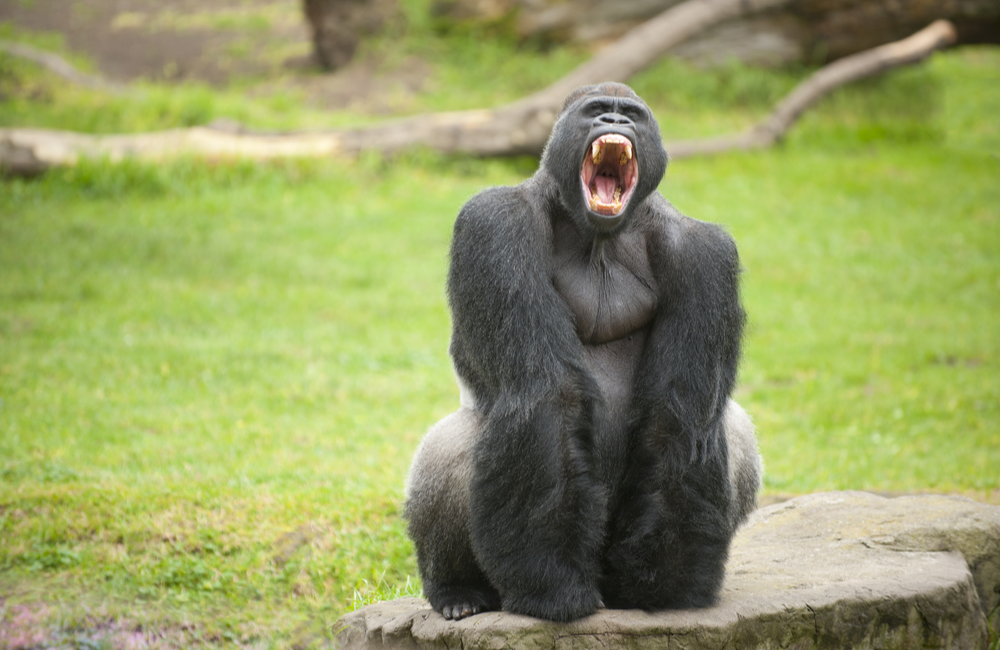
{"points": [[916, 48]]}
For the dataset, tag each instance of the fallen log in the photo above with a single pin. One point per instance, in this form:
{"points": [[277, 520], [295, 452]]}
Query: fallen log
{"points": [[520, 127], [517, 128]]}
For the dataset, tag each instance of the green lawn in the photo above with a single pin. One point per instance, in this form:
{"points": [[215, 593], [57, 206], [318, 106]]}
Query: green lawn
{"points": [[212, 377]]}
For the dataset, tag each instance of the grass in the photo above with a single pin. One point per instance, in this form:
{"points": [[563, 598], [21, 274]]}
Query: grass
{"points": [[212, 377]]}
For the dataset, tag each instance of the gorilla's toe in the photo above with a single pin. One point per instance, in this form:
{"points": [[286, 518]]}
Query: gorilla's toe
{"points": [[461, 602], [460, 611]]}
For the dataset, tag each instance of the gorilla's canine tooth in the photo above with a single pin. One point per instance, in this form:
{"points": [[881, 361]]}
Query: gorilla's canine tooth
{"points": [[596, 152], [623, 158], [618, 193]]}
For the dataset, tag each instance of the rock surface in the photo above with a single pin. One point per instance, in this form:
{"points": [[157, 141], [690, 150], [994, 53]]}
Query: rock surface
{"points": [[830, 570]]}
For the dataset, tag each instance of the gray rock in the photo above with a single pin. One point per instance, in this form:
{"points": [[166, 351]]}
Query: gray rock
{"points": [[831, 570]]}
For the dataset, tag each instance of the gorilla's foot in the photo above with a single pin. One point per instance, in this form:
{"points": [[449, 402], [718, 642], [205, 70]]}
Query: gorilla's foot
{"points": [[458, 602]]}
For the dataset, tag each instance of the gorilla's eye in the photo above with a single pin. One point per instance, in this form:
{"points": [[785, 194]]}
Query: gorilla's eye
{"points": [[609, 174]]}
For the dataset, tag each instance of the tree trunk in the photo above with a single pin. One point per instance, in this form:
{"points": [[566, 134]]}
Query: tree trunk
{"points": [[338, 26]]}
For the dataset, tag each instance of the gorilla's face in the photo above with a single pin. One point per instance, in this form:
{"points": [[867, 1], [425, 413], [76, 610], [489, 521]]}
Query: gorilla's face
{"points": [[610, 171], [606, 155]]}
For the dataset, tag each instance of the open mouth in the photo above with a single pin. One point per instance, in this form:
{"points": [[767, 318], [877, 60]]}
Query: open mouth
{"points": [[609, 174]]}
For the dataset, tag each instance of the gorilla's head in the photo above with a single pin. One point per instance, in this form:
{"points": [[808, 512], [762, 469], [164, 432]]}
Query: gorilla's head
{"points": [[605, 154]]}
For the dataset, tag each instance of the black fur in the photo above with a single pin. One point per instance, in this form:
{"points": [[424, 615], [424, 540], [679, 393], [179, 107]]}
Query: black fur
{"points": [[576, 499]]}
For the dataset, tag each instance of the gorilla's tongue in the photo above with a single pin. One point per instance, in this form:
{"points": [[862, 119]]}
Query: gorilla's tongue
{"points": [[606, 187]]}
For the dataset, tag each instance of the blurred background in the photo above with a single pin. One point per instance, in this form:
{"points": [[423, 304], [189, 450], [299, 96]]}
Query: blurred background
{"points": [[213, 373]]}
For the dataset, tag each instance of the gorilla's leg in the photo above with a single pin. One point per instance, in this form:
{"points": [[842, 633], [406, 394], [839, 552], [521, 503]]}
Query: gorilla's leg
{"points": [[745, 465], [437, 507], [670, 534]]}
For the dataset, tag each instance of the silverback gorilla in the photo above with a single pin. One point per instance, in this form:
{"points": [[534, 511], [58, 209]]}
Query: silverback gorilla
{"points": [[596, 458]]}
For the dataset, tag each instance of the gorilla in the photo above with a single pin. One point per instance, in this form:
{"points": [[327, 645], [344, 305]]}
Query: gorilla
{"points": [[596, 458]]}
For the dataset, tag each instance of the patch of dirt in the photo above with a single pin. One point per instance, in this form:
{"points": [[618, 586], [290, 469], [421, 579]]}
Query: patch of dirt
{"points": [[363, 86], [27, 627], [208, 40], [267, 42]]}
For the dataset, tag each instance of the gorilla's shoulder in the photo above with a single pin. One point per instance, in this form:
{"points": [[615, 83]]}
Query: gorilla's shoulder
{"points": [[505, 211], [679, 239], [493, 203]]}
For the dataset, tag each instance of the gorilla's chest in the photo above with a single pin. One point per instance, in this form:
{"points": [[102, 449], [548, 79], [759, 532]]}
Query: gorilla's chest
{"points": [[607, 284]]}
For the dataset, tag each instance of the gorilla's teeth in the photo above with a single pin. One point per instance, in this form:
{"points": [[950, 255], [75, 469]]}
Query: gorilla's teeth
{"points": [[623, 158], [618, 193], [596, 152], [593, 203]]}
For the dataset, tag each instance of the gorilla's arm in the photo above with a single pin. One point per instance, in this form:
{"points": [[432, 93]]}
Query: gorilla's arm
{"points": [[672, 529], [538, 514], [690, 363]]}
